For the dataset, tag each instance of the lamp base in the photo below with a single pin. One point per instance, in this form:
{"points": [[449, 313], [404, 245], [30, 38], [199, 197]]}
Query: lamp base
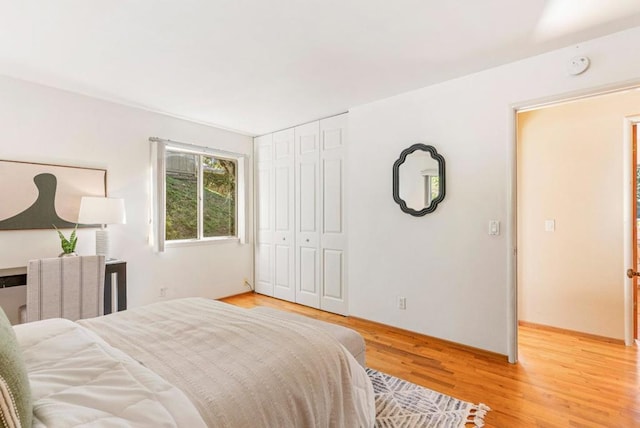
{"points": [[102, 243]]}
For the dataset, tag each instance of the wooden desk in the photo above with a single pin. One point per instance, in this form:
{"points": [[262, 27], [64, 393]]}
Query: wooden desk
{"points": [[115, 269]]}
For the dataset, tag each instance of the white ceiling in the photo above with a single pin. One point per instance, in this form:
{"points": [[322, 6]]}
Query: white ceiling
{"points": [[260, 65]]}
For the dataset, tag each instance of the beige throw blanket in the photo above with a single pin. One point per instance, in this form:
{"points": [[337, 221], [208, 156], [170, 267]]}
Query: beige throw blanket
{"points": [[244, 369]]}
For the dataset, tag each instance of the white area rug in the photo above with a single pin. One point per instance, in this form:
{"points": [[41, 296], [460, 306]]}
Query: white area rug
{"points": [[401, 404]]}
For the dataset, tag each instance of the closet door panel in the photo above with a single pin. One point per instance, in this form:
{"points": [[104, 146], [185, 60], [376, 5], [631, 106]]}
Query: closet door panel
{"points": [[333, 287], [282, 199], [263, 190], [264, 282], [264, 277], [282, 267], [332, 190], [264, 235], [284, 215], [307, 148], [308, 261], [308, 197], [264, 149], [333, 240]]}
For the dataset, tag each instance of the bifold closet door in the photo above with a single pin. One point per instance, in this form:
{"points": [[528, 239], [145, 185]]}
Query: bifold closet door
{"points": [[333, 238], [307, 173], [300, 215], [264, 259], [284, 215]]}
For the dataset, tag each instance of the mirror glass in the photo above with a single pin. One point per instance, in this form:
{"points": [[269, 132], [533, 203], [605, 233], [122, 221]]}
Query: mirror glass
{"points": [[419, 179]]}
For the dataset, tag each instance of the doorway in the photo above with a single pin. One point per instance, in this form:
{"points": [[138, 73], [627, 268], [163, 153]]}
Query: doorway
{"points": [[569, 160]]}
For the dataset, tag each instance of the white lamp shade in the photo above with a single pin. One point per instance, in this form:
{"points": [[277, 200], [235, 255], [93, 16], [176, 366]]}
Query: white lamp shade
{"points": [[96, 210]]}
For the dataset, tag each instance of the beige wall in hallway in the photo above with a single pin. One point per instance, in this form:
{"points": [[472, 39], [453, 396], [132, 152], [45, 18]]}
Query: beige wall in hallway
{"points": [[570, 170]]}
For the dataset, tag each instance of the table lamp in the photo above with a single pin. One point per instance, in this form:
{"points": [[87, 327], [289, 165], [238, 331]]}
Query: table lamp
{"points": [[102, 211]]}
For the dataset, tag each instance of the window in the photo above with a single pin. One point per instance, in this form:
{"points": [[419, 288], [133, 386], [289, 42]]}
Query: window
{"points": [[199, 194]]}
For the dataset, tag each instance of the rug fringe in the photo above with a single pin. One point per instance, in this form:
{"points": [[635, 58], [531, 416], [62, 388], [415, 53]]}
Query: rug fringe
{"points": [[477, 414]]}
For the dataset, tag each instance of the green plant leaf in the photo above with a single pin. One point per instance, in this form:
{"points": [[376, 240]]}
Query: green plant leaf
{"points": [[68, 245]]}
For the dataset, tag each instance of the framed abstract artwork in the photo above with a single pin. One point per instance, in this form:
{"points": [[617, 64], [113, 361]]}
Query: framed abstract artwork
{"points": [[39, 196]]}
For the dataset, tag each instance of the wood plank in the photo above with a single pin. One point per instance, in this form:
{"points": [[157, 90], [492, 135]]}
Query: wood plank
{"points": [[562, 379]]}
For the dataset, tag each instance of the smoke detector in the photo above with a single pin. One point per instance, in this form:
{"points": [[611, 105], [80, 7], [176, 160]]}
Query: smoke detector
{"points": [[578, 65]]}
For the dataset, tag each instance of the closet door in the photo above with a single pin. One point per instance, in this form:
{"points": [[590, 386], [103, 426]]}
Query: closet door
{"points": [[263, 149], [307, 149], [333, 238], [284, 216]]}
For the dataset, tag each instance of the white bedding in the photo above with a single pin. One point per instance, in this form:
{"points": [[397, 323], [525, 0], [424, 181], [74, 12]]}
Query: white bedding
{"points": [[78, 380], [245, 369]]}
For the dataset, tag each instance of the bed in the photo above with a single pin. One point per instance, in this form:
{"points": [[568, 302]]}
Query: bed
{"points": [[192, 363]]}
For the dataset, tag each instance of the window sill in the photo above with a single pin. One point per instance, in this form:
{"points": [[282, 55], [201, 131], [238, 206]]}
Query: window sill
{"points": [[205, 241]]}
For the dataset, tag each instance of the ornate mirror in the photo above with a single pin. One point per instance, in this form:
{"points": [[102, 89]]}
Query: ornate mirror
{"points": [[419, 180]]}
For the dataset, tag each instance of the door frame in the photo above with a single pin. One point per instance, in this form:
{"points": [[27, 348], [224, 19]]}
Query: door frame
{"points": [[512, 200], [629, 226], [634, 230]]}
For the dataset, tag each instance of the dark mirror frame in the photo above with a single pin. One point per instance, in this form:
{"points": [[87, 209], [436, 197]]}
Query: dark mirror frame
{"points": [[441, 178]]}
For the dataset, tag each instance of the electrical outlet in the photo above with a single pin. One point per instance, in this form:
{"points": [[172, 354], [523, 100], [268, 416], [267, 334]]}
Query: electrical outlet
{"points": [[402, 302], [163, 292]]}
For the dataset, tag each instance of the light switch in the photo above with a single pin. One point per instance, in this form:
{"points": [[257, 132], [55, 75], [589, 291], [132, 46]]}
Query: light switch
{"points": [[549, 225], [494, 227]]}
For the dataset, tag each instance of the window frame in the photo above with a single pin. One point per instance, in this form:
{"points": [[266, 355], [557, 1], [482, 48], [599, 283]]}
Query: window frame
{"points": [[159, 150]]}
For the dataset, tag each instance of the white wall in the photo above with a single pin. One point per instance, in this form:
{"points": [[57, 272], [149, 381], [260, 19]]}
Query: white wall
{"points": [[570, 157], [452, 272], [41, 124]]}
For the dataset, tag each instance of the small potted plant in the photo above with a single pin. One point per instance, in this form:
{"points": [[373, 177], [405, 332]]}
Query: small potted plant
{"points": [[68, 245]]}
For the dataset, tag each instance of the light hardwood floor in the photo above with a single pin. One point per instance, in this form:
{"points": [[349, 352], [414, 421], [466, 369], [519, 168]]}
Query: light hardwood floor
{"points": [[561, 380]]}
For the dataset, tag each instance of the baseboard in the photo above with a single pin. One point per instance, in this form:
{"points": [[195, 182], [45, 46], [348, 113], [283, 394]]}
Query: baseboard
{"points": [[571, 332], [436, 339]]}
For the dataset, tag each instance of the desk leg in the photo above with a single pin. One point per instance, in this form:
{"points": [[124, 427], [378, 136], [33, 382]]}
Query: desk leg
{"points": [[122, 287], [108, 293], [119, 272]]}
